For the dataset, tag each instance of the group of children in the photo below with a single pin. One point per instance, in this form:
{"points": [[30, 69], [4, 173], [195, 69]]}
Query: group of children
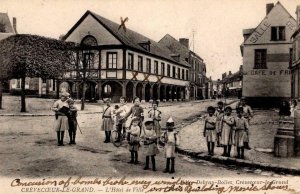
{"points": [[141, 131], [65, 118], [227, 130]]}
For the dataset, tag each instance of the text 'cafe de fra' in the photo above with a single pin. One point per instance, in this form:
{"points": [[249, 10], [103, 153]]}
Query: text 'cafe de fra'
{"points": [[124, 63]]}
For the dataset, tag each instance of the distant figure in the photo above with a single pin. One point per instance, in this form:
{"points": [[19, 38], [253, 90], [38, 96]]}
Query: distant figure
{"points": [[284, 109], [293, 107]]}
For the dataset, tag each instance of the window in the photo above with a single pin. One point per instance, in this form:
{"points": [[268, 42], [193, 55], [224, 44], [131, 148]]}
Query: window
{"points": [[260, 59], [54, 85], [111, 60], [107, 89], [168, 70], [140, 63], [278, 33], [178, 73], [88, 60], [130, 61], [18, 85], [155, 67], [174, 72], [183, 74], [162, 69], [148, 67], [187, 75]]}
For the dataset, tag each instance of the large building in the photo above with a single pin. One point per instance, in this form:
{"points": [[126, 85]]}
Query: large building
{"points": [[118, 62], [198, 83], [232, 83], [295, 66], [266, 54]]}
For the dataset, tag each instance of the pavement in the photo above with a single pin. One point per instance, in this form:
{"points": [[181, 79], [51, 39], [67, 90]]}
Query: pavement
{"points": [[192, 144]]}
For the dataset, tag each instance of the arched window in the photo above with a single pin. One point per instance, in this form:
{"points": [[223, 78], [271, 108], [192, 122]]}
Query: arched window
{"points": [[89, 41]]}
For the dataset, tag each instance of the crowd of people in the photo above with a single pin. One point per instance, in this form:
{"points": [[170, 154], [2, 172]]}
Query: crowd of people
{"points": [[221, 128]]}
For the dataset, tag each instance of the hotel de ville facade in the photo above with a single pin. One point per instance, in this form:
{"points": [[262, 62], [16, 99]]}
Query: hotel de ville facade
{"points": [[266, 52], [124, 63]]}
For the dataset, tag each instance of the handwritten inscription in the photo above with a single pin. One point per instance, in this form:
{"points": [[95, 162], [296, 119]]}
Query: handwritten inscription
{"points": [[123, 185]]}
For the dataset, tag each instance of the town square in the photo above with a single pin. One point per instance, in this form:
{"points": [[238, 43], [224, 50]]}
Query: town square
{"points": [[107, 97]]}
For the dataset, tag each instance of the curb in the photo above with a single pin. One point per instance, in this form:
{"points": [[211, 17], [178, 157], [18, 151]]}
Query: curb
{"points": [[239, 162]]}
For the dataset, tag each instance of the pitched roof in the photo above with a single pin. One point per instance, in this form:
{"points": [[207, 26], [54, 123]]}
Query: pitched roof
{"points": [[130, 38], [277, 4], [4, 19], [174, 45]]}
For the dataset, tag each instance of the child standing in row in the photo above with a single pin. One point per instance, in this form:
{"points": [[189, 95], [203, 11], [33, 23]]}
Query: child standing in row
{"points": [[170, 138], [241, 129], [150, 142], [72, 121], [227, 132], [107, 120], [134, 140], [210, 130]]}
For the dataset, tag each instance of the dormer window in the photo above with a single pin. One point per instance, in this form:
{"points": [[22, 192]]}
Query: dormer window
{"points": [[176, 57], [145, 45]]}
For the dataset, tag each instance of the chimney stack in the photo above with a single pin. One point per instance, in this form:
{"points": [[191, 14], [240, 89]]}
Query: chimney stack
{"points": [[15, 24], [298, 15], [184, 42], [229, 73], [269, 7]]}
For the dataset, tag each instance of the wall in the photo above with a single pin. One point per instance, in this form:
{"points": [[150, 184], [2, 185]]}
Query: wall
{"points": [[90, 26]]}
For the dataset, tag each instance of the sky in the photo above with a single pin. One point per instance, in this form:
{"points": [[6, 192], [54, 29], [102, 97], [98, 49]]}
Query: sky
{"points": [[216, 25]]}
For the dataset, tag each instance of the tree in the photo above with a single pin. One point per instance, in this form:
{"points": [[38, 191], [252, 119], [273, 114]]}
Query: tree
{"points": [[25, 55]]}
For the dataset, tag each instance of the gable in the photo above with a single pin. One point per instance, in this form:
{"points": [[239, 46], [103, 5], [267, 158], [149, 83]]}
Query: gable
{"points": [[278, 16], [90, 26]]}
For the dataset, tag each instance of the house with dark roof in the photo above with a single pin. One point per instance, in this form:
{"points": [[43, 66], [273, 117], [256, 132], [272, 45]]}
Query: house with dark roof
{"points": [[266, 52], [232, 83], [198, 88], [122, 62]]}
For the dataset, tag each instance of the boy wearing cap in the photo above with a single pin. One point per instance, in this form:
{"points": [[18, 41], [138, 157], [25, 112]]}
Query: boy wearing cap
{"points": [[150, 142], [241, 128], [171, 140], [72, 121], [210, 130], [107, 121], [61, 109], [227, 136], [154, 114], [134, 139]]}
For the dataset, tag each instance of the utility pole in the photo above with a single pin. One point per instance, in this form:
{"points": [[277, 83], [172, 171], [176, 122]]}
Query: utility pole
{"points": [[193, 40]]}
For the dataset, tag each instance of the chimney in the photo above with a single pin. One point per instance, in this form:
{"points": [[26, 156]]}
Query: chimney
{"points": [[298, 15], [184, 42], [229, 73], [269, 7], [15, 24]]}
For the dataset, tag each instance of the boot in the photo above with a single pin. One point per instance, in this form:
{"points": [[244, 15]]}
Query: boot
{"points": [[229, 150], [208, 148], [132, 158], [225, 151], [62, 134], [71, 136], [58, 138], [238, 152], [212, 148], [136, 156], [106, 136], [246, 145], [147, 163], [242, 153], [167, 166], [153, 163], [172, 165], [74, 136]]}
